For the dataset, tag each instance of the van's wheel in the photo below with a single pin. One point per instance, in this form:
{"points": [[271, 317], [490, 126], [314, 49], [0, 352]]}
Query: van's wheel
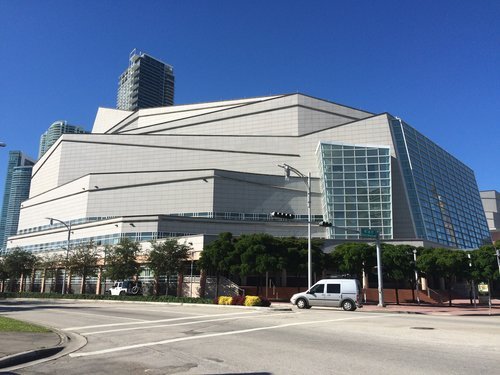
{"points": [[122, 293], [348, 305], [135, 289], [302, 303]]}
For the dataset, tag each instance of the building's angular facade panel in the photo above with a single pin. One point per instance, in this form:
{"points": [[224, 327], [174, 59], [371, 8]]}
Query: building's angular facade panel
{"points": [[212, 167]]}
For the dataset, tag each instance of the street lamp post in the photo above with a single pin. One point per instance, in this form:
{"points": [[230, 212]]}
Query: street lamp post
{"points": [[498, 258], [380, 278], [416, 274], [472, 281], [497, 252], [68, 227], [307, 180], [191, 279]]}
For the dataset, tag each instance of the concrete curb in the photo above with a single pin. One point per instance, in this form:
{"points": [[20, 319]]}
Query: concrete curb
{"points": [[276, 307], [69, 342]]}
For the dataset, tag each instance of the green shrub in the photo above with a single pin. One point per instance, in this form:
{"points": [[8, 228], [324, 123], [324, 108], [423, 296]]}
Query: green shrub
{"points": [[106, 297]]}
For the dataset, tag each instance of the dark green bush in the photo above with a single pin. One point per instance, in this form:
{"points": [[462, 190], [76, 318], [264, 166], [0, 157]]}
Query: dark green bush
{"points": [[107, 297]]}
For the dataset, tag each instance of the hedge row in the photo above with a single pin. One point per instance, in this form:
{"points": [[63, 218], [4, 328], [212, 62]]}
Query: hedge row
{"points": [[243, 301], [162, 298]]}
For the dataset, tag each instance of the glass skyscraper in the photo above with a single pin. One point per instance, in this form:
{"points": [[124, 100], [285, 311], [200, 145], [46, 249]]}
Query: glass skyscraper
{"points": [[17, 187], [55, 130], [146, 83]]}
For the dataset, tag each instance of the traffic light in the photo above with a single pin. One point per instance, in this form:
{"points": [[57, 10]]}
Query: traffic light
{"points": [[325, 224], [282, 215]]}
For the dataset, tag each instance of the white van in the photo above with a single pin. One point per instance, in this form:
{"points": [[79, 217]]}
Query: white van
{"points": [[345, 293]]}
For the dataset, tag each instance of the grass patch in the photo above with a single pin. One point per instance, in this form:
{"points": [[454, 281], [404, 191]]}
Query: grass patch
{"points": [[13, 325]]}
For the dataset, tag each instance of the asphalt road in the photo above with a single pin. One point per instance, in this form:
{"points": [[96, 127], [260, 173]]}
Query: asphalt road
{"points": [[139, 338]]}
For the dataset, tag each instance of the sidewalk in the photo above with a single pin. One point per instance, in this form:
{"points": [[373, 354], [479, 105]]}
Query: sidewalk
{"points": [[458, 308], [19, 342]]}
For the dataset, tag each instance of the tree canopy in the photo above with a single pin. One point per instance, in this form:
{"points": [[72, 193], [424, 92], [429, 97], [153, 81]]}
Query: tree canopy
{"points": [[352, 257], [121, 260], [166, 258], [83, 262]]}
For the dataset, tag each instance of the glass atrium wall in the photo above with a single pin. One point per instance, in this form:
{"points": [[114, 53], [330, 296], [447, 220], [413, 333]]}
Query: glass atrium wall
{"points": [[356, 189], [443, 193]]}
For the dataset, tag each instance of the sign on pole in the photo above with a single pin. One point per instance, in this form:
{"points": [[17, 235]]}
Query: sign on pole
{"points": [[367, 232]]}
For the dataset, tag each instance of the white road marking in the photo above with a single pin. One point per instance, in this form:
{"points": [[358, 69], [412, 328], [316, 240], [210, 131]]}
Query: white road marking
{"points": [[180, 324], [157, 310], [199, 337], [155, 321], [103, 315]]}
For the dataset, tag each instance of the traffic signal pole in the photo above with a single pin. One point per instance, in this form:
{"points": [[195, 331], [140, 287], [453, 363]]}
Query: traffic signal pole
{"points": [[379, 273]]}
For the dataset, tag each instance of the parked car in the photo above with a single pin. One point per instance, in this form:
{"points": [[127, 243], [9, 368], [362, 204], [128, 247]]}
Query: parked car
{"points": [[127, 287], [345, 293]]}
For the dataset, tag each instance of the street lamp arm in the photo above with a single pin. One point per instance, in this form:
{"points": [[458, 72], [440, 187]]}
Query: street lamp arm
{"points": [[68, 227], [289, 168]]}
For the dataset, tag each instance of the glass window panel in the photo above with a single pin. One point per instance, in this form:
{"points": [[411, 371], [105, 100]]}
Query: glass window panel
{"points": [[360, 168]]}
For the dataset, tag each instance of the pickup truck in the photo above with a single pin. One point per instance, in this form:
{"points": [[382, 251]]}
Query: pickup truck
{"points": [[127, 287]]}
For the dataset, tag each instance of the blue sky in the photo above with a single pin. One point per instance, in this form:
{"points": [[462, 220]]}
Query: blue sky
{"points": [[436, 64]]}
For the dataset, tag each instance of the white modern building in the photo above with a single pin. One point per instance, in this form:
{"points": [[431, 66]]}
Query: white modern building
{"points": [[203, 169], [491, 203]]}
